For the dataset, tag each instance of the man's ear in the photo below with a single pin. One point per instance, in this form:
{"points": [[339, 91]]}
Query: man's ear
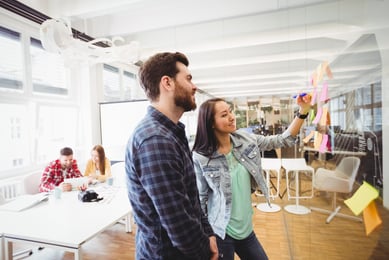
{"points": [[166, 83]]}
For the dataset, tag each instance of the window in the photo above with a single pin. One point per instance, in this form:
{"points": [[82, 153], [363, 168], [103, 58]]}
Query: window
{"points": [[48, 70], [36, 119], [129, 84], [11, 66], [14, 136], [111, 83], [120, 84]]}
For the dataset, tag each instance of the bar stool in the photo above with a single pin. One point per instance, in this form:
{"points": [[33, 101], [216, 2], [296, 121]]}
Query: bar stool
{"points": [[269, 165], [297, 165]]}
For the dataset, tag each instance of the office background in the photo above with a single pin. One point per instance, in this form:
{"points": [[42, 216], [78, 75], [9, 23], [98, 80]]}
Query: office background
{"points": [[48, 101]]}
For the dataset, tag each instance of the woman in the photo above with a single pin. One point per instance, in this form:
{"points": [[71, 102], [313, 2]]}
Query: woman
{"points": [[98, 167], [228, 168]]}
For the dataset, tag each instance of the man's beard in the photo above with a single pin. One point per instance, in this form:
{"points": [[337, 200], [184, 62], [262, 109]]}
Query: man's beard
{"points": [[183, 98]]}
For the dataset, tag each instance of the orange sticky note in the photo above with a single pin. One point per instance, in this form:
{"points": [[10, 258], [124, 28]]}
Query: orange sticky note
{"points": [[327, 69], [323, 118], [317, 140], [308, 137], [371, 218]]}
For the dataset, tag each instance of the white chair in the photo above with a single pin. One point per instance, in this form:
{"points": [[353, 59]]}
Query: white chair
{"points": [[270, 165], [31, 183], [118, 172], [340, 180], [296, 166]]}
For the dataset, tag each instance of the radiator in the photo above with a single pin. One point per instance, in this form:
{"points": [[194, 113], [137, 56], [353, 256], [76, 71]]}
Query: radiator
{"points": [[10, 190]]}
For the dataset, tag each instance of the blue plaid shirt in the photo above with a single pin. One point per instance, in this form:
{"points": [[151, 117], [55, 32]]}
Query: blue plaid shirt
{"points": [[163, 193]]}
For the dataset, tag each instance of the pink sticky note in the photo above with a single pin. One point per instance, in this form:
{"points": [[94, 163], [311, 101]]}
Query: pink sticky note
{"points": [[323, 145], [314, 94], [324, 92], [318, 115]]}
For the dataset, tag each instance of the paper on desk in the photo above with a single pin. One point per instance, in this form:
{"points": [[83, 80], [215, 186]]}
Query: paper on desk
{"points": [[371, 218], [24, 202], [362, 198]]}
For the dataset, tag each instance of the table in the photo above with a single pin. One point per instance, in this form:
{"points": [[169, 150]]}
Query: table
{"points": [[297, 165], [65, 223], [270, 164]]}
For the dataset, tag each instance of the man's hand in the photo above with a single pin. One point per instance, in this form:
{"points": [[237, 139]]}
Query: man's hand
{"points": [[213, 247], [66, 186]]}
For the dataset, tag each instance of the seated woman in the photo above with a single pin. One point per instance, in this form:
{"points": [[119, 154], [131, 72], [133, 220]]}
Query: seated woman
{"points": [[98, 167]]}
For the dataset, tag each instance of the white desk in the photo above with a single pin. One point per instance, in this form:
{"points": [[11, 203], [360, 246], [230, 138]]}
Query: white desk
{"points": [[271, 164], [64, 223], [297, 165]]}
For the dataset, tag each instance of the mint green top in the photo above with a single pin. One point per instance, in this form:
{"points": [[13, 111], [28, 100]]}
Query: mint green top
{"points": [[240, 225]]}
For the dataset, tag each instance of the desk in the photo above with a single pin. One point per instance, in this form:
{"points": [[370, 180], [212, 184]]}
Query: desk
{"points": [[64, 223], [297, 165], [310, 149]]}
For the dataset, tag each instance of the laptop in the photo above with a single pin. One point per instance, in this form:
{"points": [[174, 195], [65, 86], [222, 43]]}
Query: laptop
{"points": [[76, 182]]}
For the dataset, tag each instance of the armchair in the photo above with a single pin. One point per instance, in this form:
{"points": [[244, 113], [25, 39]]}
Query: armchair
{"points": [[340, 180]]}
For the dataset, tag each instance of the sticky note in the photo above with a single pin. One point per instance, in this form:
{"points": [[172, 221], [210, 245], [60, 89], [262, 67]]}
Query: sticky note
{"points": [[362, 198], [318, 116], [371, 218], [323, 145], [324, 92]]}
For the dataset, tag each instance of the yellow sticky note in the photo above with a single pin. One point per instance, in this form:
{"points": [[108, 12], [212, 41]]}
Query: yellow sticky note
{"points": [[371, 218], [362, 198]]}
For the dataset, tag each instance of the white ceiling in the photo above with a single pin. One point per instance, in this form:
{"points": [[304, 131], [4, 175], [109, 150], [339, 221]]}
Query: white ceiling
{"points": [[247, 49]]}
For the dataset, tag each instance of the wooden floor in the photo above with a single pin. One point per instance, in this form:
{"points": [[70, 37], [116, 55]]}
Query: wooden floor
{"points": [[282, 234]]}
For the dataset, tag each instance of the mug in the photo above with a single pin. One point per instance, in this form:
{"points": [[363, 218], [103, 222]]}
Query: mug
{"points": [[110, 181], [57, 192]]}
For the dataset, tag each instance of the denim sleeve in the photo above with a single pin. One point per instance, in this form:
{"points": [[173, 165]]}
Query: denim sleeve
{"points": [[202, 186], [275, 141]]}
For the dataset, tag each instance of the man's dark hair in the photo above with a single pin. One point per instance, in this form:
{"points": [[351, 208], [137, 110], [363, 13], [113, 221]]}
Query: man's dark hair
{"points": [[66, 151], [157, 66]]}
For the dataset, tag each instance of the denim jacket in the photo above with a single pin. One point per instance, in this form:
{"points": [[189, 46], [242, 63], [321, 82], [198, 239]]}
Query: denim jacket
{"points": [[214, 179]]}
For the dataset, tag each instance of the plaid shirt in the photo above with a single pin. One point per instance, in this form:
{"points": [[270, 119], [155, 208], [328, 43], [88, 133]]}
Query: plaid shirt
{"points": [[163, 192], [53, 175]]}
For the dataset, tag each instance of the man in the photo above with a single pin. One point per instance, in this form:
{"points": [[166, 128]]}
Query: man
{"points": [[57, 170], [160, 174]]}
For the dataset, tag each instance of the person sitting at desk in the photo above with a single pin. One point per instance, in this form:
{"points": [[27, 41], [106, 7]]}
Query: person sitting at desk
{"points": [[98, 167], [59, 169]]}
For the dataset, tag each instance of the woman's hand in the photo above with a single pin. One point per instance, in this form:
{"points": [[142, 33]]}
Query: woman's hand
{"points": [[304, 102]]}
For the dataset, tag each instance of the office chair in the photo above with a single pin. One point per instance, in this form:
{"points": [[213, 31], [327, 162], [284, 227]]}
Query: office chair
{"points": [[340, 180]]}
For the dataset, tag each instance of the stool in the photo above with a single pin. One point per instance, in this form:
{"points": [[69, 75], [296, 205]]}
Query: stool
{"points": [[268, 165], [297, 165]]}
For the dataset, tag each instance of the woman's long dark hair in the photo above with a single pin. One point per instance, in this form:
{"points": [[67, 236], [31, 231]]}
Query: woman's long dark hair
{"points": [[205, 141], [100, 150]]}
